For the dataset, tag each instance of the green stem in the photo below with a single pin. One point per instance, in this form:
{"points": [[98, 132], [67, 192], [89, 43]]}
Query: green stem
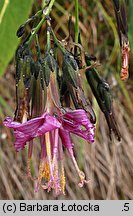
{"points": [[38, 46], [76, 21], [36, 29], [37, 41], [48, 38], [55, 38], [45, 3], [58, 43], [37, 15]]}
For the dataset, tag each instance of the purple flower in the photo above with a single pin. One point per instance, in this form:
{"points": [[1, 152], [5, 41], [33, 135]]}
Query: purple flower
{"points": [[78, 123], [54, 133], [33, 128]]}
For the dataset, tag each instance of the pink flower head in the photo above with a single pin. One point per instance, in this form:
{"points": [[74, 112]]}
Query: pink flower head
{"points": [[54, 132]]}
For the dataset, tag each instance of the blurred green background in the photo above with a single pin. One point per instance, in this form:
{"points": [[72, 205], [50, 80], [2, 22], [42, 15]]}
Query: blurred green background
{"points": [[108, 164]]}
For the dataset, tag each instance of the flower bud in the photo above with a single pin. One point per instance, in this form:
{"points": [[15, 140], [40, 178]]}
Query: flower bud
{"points": [[70, 69], [48, 65]]}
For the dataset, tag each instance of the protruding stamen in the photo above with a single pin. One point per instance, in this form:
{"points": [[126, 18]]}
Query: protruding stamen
{"points": [[29, 169], [55, 148], [40, 175], [30, 147], [56, 177], [80, 173], [46, 171], [48, 150], [62, 178]]}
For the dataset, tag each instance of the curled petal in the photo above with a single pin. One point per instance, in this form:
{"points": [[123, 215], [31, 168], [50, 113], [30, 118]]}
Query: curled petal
{"points": [[33, 128], [77, 122], [29, 127], [8, 122], [78, 116]]}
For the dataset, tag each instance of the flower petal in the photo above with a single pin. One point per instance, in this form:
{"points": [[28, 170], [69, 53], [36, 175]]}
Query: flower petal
{"points": [[77, 122], [8, 122], [20, 140], [35, 127], [65, 138], [28, 127], [51, 123], [78, 116]]}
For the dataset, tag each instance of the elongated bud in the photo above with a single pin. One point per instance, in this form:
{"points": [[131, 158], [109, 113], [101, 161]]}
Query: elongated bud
{"points": [[39, 73], [70, 69], [48, 65], [23, 82], [46, 71], [27, 71]]}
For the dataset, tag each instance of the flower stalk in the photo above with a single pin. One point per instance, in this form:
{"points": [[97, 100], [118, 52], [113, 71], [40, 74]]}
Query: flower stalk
{"points": [[46, 13]]}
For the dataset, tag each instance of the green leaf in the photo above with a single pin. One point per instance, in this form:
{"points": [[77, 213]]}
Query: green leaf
{"points": [[12, 14]]}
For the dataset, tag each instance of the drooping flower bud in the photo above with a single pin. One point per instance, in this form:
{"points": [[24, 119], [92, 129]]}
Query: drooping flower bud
{"points": [[70, 69], [48, 65], [23, 81]]}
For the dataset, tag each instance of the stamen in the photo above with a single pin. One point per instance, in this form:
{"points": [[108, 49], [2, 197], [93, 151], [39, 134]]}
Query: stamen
{"points": [[50, 184], [29, 157], [80, 173], [48, 150], [40, 175], [55, 150], [29, 169], [46, 171], [56, 177], [62, 178]]}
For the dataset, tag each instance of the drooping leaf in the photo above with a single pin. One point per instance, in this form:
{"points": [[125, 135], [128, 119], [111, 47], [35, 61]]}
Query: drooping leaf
{"points": [[13, 13]]}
